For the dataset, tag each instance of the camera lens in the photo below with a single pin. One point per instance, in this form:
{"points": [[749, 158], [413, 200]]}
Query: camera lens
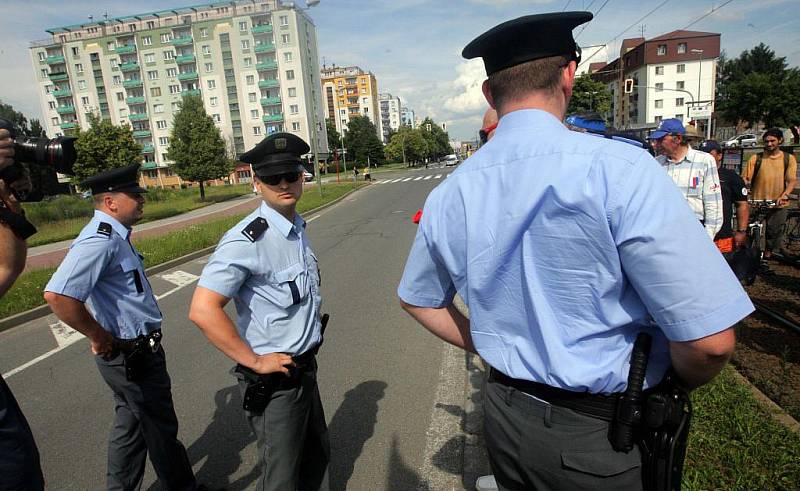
{"points": [[58, 153]]}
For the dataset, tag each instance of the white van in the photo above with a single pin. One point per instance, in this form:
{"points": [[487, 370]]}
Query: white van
{"points": [[450, 160]]}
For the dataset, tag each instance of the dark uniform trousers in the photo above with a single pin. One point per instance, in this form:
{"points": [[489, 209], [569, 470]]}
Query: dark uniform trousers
{"points": [[145, 423], [292, 437], [536, 445], [20, 469]]}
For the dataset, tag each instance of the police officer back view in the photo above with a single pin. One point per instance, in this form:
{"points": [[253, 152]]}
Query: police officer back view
{"points": [[266, 265], [104, 270], [578, 245]]}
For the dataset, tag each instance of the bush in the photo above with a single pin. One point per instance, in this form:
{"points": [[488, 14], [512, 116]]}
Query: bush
{"points": [[61, 208]]}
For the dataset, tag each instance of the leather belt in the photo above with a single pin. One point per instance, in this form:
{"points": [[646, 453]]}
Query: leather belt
{"points": [[602, 406], [151, 341]]}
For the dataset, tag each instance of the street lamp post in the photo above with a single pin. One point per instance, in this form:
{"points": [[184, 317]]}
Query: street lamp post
{"points": [[699, 52]]}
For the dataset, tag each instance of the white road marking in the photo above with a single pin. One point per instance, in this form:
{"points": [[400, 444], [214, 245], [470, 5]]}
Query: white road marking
{"points": [[64, 334], [407, 179], [417, 179], [428, 177], [179, 278], [437, 176]]}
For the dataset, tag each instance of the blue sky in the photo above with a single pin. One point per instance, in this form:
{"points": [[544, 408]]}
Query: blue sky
{"points": [[414, 46]]}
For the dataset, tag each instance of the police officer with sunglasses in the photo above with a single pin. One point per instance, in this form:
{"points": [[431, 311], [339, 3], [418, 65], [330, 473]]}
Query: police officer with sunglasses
{"points": [[266, 265]]}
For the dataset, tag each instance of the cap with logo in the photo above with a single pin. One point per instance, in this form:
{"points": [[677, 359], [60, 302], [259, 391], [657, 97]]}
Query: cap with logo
{"points": [[278, 153], [527, 38], [119, 180], [671, 126], [710, 145]]}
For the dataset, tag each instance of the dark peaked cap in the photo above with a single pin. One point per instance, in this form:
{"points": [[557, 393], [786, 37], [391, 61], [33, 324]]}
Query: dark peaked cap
{"points": [[120, 180], [527, 38], [277, 154]]}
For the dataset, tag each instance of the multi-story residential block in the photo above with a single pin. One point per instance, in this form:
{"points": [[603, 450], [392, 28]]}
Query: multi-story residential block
{"points": [[390, 114], [408, 117], [350, 91], [670, 74], [254, 63]]}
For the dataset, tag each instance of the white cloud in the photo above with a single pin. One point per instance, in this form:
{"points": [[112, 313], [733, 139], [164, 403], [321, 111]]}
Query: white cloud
{"points": [[467, 88]]}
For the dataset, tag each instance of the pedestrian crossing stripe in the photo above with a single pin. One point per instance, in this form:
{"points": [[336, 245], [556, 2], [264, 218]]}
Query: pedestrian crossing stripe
{"points": [[406, 179], [427, 177]]}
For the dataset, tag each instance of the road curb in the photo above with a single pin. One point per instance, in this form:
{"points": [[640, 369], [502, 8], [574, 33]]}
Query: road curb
{"points": [[44, 310], [778, 413]]}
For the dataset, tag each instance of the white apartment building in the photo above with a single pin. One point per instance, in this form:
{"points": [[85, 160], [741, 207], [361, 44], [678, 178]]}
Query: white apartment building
{"points": [[390, 107]]}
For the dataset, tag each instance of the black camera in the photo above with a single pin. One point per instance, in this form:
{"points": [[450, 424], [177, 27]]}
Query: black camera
{"points": [[56, 153]]}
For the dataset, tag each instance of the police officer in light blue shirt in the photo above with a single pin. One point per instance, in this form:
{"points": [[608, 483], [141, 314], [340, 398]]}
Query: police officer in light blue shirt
{"points": [[564, 247], [104, 272], [266, 265]]}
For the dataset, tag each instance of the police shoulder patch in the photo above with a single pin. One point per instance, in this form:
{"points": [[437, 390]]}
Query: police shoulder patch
{"points": [[255, 229], [104, 229]]}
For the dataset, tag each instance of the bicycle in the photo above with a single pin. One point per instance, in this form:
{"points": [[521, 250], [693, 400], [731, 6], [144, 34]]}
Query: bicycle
{"points": [[759, 209], [791, 237]]}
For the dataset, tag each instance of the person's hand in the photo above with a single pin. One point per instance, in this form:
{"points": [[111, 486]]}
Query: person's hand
{"points": [[739, 239], [8, 199], [272, 363], [783, 200], [6, 149], [102, 343]]}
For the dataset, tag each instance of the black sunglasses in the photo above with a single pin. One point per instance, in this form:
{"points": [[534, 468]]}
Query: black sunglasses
{"points": [[276, 179]]}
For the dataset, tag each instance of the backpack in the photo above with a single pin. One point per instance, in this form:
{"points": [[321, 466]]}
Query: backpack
{"points": [[758, 166]]}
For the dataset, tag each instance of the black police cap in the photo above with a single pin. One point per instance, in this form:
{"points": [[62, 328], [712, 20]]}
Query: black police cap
{"points": [[278, 153], [122, 179], [527, 38]]}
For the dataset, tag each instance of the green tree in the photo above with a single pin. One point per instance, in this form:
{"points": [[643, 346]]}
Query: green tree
{"points": [[589, 96], [196, 146], [104, 146], [361, 141], [412, 141], [437, 139]]}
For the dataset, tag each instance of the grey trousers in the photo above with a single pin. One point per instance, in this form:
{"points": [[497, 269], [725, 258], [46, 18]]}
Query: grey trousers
{"points": [[535, 445], [776, 228], [145, 423], [292, 436]]}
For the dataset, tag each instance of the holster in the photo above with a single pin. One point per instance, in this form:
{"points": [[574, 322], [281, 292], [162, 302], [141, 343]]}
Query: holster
{"points": [[136, 351]]}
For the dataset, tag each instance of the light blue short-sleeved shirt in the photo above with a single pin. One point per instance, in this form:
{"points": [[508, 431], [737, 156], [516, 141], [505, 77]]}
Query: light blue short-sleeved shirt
{"points": [[273, 281], [104, 270], [564, 247]]}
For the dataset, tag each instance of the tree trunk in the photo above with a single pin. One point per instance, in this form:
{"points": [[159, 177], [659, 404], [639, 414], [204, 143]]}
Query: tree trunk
{"points": [[202, 192]]}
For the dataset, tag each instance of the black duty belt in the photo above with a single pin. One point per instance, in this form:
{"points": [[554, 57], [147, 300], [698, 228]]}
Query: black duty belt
{"points": [[150, 342], [602, 406], [305, 359]]}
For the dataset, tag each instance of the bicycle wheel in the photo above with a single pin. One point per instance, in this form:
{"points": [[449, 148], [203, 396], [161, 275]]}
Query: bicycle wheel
{"points": [[791, 237]]}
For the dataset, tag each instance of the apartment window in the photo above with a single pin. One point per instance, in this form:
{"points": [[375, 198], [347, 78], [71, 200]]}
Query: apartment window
{"points": [[242, 26], [364, 100], [174, 106], [76, 52], [120, 96], [661, 50], [116, 80], [44, 73], [203, 32], [295, 126], [679, 85], [169, 55], [111, 46], [85, 101], [248, 62], [54, 121], [363, 90], [659, 103], [158, 108], [161, 124], [81, 84], [681, 48], [292, 92], [681, 68], [166, 37], [660, 70], [114, 62], [132, 27], [149, 58], [213, 101], [287, 57], [658, 119], [285, 38], [155, 91], [284, 20], [172, 72], [163, 140], [679, 117], [78, 67], [123, 113], [293, 109], [256, 130], [251, 79], [251, 97], [212, 84], [343, 112], [174, 89], [289, 74], [152, 75], [43, 55], [48, 89], [147, 41], [245, 44], [659, 87], [206, 49], [679, 101], [254, 114], [52, 104], [216, 118], [164, 157]]}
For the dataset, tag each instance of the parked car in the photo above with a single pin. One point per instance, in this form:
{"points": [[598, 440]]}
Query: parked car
{"points": [[745, 140], [307, 176], [450, 160]]}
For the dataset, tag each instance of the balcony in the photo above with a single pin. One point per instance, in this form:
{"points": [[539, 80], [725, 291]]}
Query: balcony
{"points": [[148, 148], [267, 84], [264, 48], [54, 59], [135, 100], [62, 93], [181, 41], [132, 83], [125, 49], [187, 76], [65, 109], [267, 65], [129, 67], [185, 59], [138, 117], [69, 125], [148, 165], [270, 101], [272, 118], [141, 133], [59, 77], [190, 92], [261, 29]]}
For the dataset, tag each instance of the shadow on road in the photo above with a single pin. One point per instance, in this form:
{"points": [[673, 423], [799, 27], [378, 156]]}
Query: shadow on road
{"points": [[351, 426], [401, 476]]}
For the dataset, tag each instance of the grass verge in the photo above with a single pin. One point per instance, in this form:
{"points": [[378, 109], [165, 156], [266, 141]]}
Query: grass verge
{"points": [[734, 443], [27, 291]]}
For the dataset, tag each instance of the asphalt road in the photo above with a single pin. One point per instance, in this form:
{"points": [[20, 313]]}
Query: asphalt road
{"points": [[394, 395]]}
